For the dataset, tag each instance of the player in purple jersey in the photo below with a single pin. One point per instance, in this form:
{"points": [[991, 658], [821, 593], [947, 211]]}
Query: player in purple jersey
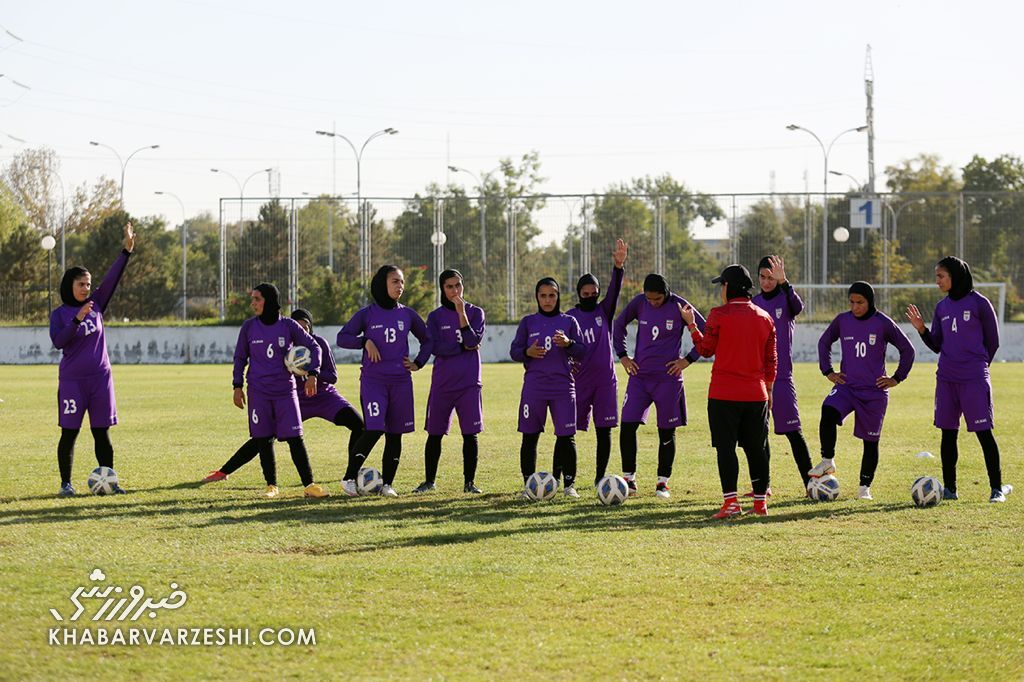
{"points": [[547, 342], [596, 383], [655, 375], [273, 405], [382, 329], [85, 382], [327, 404], [965, 334], [783, 304], [455, 330], [861, 385]]}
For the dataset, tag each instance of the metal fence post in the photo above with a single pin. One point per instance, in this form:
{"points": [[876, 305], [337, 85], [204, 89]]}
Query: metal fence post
{"points": [[510, 266], [223, 264]]}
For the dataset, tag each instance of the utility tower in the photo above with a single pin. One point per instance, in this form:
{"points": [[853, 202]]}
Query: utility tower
{"points": [[869, 90]]}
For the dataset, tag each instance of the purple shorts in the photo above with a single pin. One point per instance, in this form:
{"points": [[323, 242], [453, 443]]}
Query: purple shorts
{"points": [[467, 403], [274, 416], [533, 411], [867, 406], [94, 395], [668, 396], [387, 407], [599, 402], [973, 401], [785, 411], [325, 404]]}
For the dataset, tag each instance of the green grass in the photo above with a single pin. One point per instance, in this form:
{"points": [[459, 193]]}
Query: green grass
{"points": [[448, 586]]}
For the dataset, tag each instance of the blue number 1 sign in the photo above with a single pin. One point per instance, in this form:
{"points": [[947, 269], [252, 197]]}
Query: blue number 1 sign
{"points": [[863, 213]]}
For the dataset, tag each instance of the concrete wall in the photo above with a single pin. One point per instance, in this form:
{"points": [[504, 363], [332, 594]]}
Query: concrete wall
{"points": [[211, 345]]}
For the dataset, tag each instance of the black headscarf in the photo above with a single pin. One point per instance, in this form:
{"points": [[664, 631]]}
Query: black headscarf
{"points": [[766, 263], [67, 286], [444, 277], [589, 303], [864, 289], [960, 276], [271, 302], [303, 314], [379, 287], [552, 282], [656, 284]]}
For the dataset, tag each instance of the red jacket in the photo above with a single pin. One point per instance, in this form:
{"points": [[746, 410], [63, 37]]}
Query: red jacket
{"points": [[741, 336]]}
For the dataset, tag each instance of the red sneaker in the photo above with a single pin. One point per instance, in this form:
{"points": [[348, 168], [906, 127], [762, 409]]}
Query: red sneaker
{"points": [[761, 507], [768, 493], [730, 509], [214, 477]]}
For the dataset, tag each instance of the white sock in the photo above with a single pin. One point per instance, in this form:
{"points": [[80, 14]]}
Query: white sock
{"points": [[663, 479]]}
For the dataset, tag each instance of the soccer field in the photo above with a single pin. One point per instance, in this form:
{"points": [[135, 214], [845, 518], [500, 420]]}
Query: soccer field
{"points": [[453, 586]]}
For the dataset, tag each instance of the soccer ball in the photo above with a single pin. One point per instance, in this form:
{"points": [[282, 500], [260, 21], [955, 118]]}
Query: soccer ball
{"points": [[101, 481], [297, 360], [612, 490], [369, 481], [541, 486], [824, 489], [926, 491]]}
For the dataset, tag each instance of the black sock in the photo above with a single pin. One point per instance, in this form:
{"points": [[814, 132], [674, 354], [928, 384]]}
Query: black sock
{"points": [[666, 451], [828, 431], [267, 463], [359, 453], [470, 457], [950, 454], [565, 453], [104, 449], [245, 454], [392, 454], [300, 458], [528, 454], [351, 420], [627, 446], [604, 451], [801, 454], [66, 453], [991, 451], [869, 462], [431, 456]]}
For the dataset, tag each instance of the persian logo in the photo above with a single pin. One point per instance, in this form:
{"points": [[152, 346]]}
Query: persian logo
{"points": [[778, 313], [599, 322], [967, 316], [280, 341], [401, 325], [668, 325], [872, 338], [115, 606]]}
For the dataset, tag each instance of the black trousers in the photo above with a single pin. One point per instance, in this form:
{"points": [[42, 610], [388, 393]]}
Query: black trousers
{"points": [[745, 423]]}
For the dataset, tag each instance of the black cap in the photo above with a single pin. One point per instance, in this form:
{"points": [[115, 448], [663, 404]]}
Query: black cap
{"points": [[737, 280]]}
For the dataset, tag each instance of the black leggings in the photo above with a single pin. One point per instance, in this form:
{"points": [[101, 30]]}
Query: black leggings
{"points": [[300, 458], [950, 454], [666, 449], [604, 451], [432, 455], [564, 457], [828, 432], [801, 455], [364, 445], [66, 450]]}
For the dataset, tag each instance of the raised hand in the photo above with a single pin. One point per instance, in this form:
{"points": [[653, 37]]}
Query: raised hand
{"points": [[84, 310], [129, 237], [687, 313], [914, 316], [778, 267], [535, 350], [619, 254]]}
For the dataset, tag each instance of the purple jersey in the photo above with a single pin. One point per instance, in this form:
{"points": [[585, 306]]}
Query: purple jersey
{"points": [[863, 345], [326, 377], [389, 329], [551, 374], [263, 347], [965, 334], [659, 335], [456, 349], [597, 368], [783, 307], [83, 343]]}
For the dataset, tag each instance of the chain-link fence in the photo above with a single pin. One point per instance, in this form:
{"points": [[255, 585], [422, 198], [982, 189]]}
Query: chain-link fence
{"points": [[321, 252]]}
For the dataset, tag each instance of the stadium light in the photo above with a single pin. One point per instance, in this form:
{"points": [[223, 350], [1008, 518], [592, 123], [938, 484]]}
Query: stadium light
{"points": [[184, 253], [124, 164]]}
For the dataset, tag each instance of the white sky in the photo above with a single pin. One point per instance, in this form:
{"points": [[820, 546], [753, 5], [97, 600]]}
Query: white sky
{"points": [[604, 91]]}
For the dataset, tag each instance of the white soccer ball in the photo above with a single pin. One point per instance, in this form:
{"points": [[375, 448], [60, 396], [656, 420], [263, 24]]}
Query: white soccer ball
{"points": [[297, 360], [369, 481], [541, 486], [926, 491], [101, 481], [612, 490], [824, 489]]}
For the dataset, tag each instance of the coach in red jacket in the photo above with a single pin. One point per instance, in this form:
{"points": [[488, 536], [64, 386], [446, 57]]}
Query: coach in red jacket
{"points": [[741, 336]]}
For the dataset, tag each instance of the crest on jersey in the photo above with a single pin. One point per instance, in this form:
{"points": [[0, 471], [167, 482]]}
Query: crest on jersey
{"points": [[871, 339], [778, 313], [599, 321], [401, 325], [668, 325], [280, 341], [967, 316]]}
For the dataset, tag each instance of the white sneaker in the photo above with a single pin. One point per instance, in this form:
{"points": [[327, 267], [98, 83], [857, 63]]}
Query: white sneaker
{"points": [[525, 495], [388, 491], [349, 487], [864, 493], [662, 491], [1000, 494], [823, 468], [570, 491]]}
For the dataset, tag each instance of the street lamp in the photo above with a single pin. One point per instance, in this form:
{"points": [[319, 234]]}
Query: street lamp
{"points": [[124, 164], [856, 183], [364, 237], [184, 253], [48, 242], [824, 218]]}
